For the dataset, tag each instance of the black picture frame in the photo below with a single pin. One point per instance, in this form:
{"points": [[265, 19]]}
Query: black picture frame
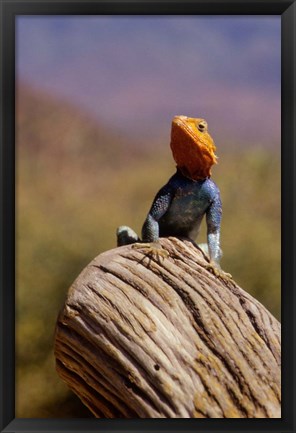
{"points": [[9, 10]]}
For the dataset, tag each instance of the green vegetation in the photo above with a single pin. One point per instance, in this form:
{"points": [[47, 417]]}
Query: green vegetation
{"points": [[71, 198]]}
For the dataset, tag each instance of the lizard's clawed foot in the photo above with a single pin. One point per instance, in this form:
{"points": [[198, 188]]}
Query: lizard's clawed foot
{"points": [[218, 272], [152, 249]]}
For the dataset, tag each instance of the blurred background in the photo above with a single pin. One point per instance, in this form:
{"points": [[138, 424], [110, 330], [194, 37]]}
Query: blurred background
{"points": [[95, 98]]}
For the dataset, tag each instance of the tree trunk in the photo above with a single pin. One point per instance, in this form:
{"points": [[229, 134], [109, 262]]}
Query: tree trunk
{"points": [[138, 337]]}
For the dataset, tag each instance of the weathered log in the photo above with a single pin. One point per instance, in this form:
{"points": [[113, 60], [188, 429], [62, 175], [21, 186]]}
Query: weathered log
{"points": [[142, 338]]}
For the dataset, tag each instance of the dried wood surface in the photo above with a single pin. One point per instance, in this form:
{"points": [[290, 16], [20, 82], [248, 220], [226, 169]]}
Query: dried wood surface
{"points": [[142, 338]]}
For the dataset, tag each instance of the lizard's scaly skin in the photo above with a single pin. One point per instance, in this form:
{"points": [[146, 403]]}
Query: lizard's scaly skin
{"points": [[178, 209]]}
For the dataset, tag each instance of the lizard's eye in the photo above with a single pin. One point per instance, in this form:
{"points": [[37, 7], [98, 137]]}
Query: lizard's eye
{"points": [[202, 126]]}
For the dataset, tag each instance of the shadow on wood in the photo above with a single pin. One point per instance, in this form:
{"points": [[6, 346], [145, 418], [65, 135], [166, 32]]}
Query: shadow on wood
{"points": [[142, 338]]}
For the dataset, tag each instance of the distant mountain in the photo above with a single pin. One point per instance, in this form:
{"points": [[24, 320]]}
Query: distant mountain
{"points": [[49, 127]]}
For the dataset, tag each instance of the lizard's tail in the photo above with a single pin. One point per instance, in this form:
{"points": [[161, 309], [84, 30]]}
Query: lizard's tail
{"points": [[205, 248], [126, 236]]}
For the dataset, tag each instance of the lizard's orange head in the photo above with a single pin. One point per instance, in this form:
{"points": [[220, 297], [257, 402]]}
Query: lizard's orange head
{"points": [[192, 146]]}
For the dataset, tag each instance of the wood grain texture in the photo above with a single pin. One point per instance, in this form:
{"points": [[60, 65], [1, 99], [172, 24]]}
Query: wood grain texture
{"points": [[142, 338]]}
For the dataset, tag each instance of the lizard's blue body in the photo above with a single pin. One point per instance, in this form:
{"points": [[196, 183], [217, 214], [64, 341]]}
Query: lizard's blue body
{"points": [[178, 209]]}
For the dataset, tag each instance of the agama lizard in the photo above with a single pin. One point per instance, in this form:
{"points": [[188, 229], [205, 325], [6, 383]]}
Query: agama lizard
{"points": [[180, 205]]}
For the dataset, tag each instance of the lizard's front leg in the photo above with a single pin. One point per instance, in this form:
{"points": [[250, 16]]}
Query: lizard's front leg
{"points": [[213, 217], [151, 244], [150, 230], [215, 256]]}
